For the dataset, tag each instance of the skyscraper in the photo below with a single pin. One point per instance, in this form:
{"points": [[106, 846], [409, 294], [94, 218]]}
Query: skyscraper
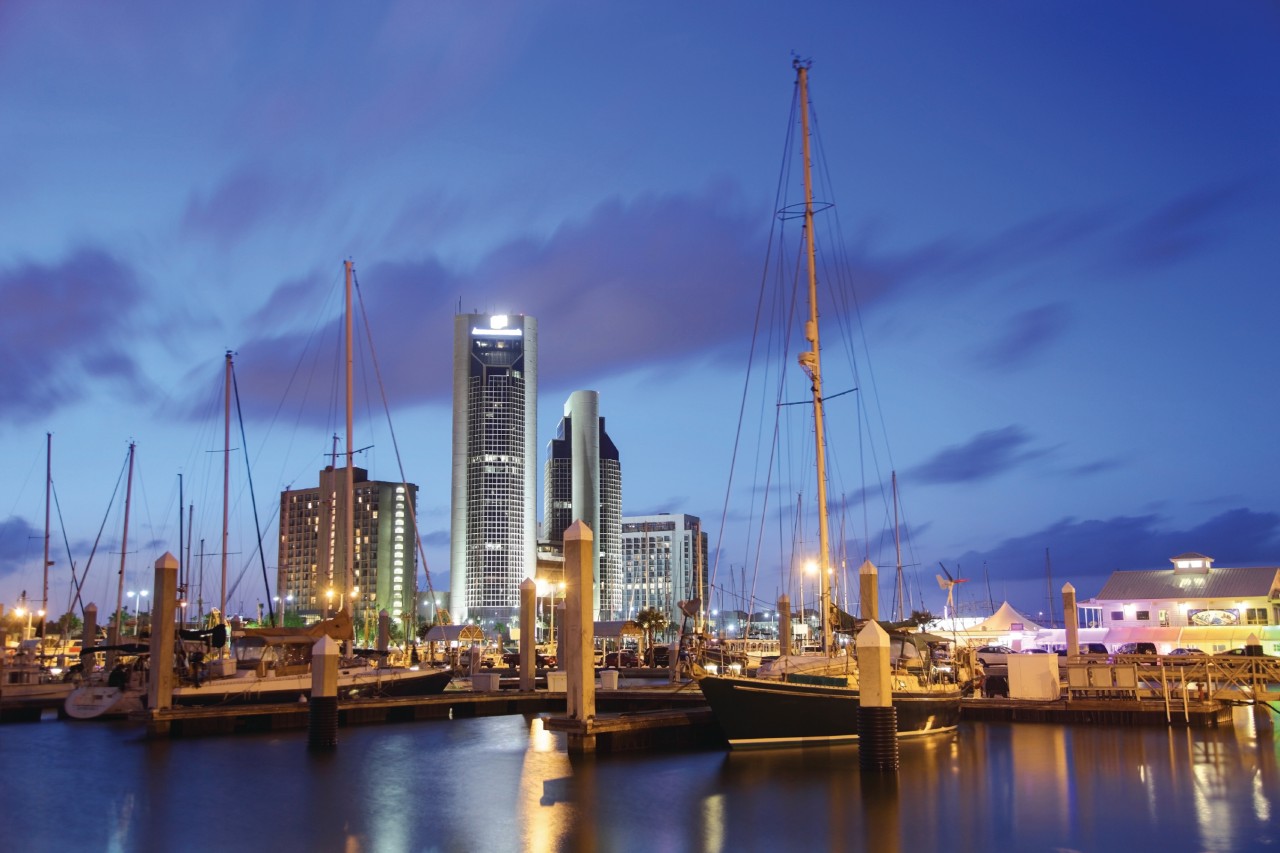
{"points": [[664, 561], [584, 481], [493, 529], [312, 576]]}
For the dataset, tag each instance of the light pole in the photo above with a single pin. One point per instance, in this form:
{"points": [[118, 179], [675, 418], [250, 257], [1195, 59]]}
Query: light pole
{"points": [[141, 603]]}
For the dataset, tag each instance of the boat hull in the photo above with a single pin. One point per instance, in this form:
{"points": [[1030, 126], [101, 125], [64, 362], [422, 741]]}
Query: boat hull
{"points": [[757, 713], [356, 684], [100, 702]]}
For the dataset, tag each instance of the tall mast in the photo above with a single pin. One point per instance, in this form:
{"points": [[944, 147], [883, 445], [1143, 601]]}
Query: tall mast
{"points": [[48, 488], [124, 547], [226, 491], [811, 361], [350, 483], [897, 547]]}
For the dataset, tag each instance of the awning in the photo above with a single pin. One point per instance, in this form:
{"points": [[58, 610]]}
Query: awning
{"points": [[1200, 636], [1133, 634], [455, 634], [617, 629]]}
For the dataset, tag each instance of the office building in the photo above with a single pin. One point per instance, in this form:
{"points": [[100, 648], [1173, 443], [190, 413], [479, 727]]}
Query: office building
{"points": [[493, 526], [584, 481]]}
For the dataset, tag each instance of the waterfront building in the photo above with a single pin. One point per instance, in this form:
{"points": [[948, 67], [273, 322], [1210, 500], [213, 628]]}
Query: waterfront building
{"points": [[583, 481], [311, 577], [1193, 604], [664, 559], [493, 523]]}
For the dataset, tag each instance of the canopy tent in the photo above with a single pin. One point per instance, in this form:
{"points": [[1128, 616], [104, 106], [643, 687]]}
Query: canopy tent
{"points": [[455, 634], [1003, 621]]}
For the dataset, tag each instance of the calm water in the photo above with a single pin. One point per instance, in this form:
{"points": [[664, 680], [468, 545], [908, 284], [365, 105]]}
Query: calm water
{"points": [[501, 783]]}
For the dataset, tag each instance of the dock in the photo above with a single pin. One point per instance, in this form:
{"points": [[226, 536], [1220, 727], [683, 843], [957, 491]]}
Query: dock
{"points": [[196, 721]]}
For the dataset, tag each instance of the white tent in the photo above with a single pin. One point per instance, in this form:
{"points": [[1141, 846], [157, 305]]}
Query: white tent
{"points": [[1005, 620]]}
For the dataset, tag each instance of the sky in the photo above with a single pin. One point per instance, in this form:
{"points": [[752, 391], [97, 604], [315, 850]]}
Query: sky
{"points": [[1060, 219]]}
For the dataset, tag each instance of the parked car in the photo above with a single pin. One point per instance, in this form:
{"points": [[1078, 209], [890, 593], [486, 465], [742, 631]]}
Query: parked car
{"points": [[1035, 650], [622, 659], [657, 656], [1137, 649], [995, 655], [1244, 651], [1186, 651], [541, 661], [1087, 649]]}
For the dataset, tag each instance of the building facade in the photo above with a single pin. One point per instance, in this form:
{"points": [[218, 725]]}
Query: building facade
{"points": [[312, 578], [1194, 604], [493, 524], [664, 562], [583, 480]]}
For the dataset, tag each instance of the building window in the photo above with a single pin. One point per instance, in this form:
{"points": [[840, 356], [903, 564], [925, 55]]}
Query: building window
{"points": [[1117, 615], [1255, 616], [1143, 615], [1164, 618]]}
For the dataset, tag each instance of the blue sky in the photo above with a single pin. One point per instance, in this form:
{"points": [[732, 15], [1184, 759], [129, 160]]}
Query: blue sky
{"points": [[1061, 218]]}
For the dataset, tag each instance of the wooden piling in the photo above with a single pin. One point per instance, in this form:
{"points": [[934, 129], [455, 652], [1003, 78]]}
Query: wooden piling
{"points": [[528, 628], [877, 718], [323, 730]]}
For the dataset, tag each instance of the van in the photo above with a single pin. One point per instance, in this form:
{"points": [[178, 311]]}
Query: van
{"points": [[1137, 649]]}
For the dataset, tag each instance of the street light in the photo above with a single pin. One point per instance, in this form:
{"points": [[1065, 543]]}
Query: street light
{"points": [[141, 603]]}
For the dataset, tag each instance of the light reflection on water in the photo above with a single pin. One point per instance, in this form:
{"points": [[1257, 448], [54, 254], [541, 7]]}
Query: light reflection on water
{"points": [[505, 783]]}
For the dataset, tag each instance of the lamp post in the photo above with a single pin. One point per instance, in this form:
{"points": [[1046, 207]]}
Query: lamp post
{"points": [[141, 603]]}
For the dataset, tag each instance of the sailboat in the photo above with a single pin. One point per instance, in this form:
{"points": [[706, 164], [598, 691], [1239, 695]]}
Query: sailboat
{"points": [[814, 698]]}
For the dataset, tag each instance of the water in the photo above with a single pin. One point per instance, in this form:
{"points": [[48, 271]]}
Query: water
{"points": [[503, 783]]}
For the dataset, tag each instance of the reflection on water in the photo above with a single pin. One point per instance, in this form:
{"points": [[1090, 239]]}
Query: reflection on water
{"points": [[505, 783]]}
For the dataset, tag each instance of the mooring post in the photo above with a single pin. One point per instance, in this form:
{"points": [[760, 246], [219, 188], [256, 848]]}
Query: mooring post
{"points": [[160, 686], [877, 718], [869, 589], [528, 627], [384, 636], [323, 730], [579, 631], [1071, 620], [784, 624]]}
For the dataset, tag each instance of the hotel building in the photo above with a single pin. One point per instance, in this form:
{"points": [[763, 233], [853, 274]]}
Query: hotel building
{"points": [[664, 562]]}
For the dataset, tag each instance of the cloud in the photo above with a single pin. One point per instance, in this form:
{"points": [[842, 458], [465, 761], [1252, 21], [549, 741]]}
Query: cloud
{"points": [[1086, 552], [64, 324], [1183, 227], [15, 544], [1025, 335], [986, 455], [246, 200]]}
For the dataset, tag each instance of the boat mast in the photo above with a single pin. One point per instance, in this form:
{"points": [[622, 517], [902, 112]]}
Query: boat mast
{"points": [[124, 548], [350, 483], [897, 547], [811, 361], [48, 488], [226, 491]]}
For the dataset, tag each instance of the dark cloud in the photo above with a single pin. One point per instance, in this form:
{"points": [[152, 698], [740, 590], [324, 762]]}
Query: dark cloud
{"points": [[1183, 227], [1087, 552], [1025, 335], [986, 455], [63, 324], [15, 544]]}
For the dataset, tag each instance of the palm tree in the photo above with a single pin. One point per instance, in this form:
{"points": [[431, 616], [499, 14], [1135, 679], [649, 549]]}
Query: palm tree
{"points": [[651, 621]]}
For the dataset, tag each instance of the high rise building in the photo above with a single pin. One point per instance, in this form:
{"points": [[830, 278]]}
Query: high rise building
{"points": [[312, 562], [664, 562], [584, 481], [494, 526]]}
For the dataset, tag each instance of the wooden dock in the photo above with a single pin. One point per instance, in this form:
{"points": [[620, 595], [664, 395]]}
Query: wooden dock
{"points": [[452, 704], [1118, 711]]}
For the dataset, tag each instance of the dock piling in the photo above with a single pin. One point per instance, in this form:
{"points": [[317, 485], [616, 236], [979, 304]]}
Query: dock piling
{"points": [[323, 730]]}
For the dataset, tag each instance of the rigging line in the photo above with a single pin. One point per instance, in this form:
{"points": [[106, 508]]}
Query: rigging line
{"points": [[98, 539], [746, 386], [257, 526], [825, 398], [74, 589], [395, 445]]}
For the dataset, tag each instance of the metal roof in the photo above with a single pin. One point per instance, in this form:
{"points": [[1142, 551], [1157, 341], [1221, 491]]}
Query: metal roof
{"points": [[1155, 584]]}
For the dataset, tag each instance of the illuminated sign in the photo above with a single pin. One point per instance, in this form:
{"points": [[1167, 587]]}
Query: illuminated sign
{"points": [[1213, 617]]}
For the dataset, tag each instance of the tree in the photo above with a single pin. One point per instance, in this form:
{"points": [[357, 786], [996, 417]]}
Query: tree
{"points": [[651, 621]]}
